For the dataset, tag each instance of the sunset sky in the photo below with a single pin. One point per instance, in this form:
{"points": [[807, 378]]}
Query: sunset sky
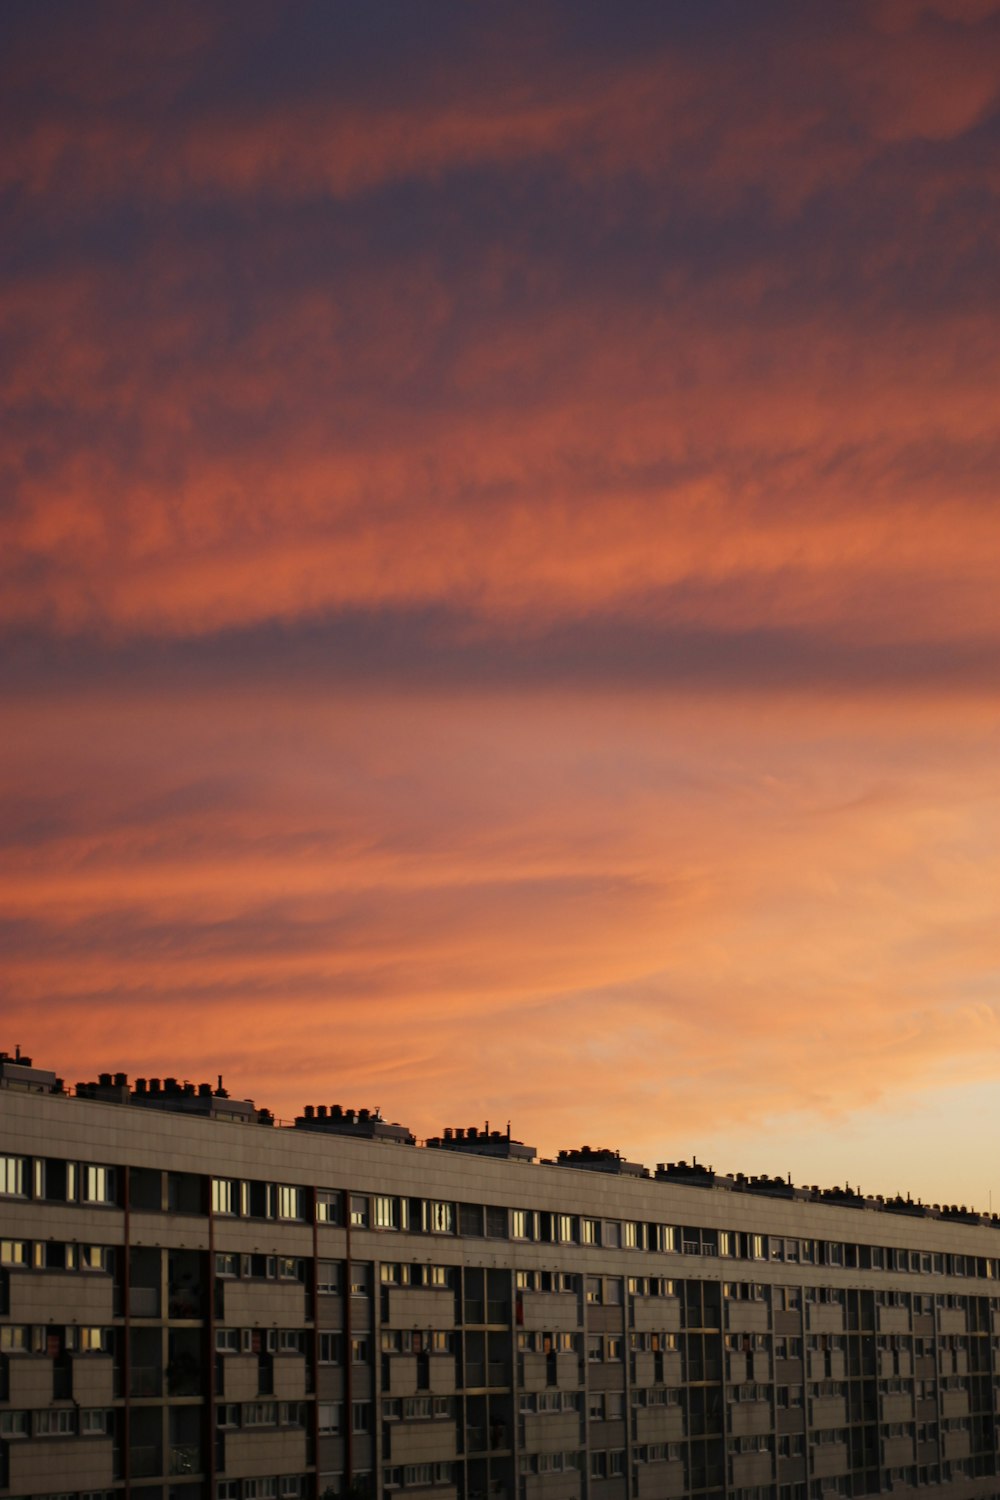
{"points": [[499, 555]]}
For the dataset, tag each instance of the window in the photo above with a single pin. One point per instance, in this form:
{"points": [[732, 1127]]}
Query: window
{"points": [[227, 1414], [496, 1223], [328, 1277], [227, 1341], [361, 1416], [225, 1198], [331, 1348], [360, 1352], [94, 1340], [386, 1213], [260, 1414], [13, 1424], [359, 1211], [289, 1202], [95, 1420], [13, 1252], [439, 1218], [59, 1423], [590, 1231], [330, 1416], [521, 1224], [565, 1227], [12, 1176], [327, 1207], [98, 1185]]}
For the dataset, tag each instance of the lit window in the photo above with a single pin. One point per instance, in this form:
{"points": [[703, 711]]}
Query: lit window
{"points": [[224, 1196], [98, 1185], [289, 1202], [386, 1213], [439, 1218], [12, 1176], [327, 1207]]}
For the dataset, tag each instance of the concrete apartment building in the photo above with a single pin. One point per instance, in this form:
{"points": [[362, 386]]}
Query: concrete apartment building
{"points": [[196, 1301]]}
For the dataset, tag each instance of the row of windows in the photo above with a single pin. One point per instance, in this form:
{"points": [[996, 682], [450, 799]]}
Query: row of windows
{"points": [[283, 1487], [257, 1340], [330, 1416], [93, 1183], [417, 1408], [63, 1422], [431, 1216], [417, 1476], [261, 1414], [44, 1338], [56, 1255], [550, 1463], [59, 1181], [416, 1341]]}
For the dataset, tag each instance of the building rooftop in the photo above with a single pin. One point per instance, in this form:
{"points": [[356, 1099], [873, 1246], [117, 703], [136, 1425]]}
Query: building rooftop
{"points": [[18, 1072]]}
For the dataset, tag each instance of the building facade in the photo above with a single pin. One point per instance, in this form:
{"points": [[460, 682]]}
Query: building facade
{"points": [[196, 1301]]}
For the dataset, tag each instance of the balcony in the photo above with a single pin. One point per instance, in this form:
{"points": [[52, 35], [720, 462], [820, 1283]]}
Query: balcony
{"points": [[661, 1481], [656, 1314], [825, 1317], [35, 1468], [555, 1312], [421, 1307], [746, 1317], [750, 1418], [93, 1379], [750, 1469], [29, 1380], [61, 1297], [275, 1451]]}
